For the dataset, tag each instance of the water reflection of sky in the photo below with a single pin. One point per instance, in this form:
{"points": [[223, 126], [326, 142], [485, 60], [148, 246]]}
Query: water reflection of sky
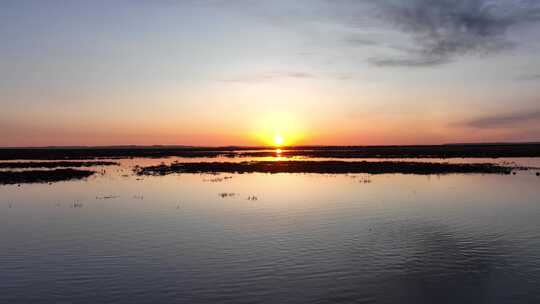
{"points": [[308, 238]]}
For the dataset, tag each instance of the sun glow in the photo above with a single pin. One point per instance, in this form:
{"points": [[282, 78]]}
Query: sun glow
{"points": [[278, 140], [278, 130]]}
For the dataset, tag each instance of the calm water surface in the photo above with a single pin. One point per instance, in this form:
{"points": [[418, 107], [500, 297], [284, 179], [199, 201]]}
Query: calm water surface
{"points": [[307, 238]]}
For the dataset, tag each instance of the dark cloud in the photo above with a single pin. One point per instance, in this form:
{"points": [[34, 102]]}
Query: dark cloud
{"points": [[437, 31], [505, 120], [445, 29]]}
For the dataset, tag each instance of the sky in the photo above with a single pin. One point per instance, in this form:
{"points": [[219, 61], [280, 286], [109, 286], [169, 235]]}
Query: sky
{"points": [[241, 72]]}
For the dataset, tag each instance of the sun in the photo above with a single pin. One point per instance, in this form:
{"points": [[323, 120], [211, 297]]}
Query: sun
{"points": [[278, 140], [278, 130]]}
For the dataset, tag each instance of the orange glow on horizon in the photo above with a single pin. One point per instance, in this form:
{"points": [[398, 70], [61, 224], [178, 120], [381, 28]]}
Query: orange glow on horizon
{"points": [[279, 129]]}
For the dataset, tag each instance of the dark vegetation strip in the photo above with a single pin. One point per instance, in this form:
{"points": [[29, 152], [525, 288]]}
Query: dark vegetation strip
{"points": [[434, 151], [333, 167], [56, 164], [442, 151], [110, 153], [42, 176]]}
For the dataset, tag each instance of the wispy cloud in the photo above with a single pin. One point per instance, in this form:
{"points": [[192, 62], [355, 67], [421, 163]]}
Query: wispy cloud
{"points": [[430, 32], [504, 120], [356, 40], [406, 61], [436, 31], [269, 76], [445, 29], [529, 77]]}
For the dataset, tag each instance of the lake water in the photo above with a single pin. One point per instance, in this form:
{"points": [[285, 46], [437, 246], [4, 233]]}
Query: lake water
{"points": [[299, 238]]}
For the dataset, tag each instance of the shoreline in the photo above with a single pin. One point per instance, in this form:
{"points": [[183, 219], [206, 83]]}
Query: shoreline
{"points": [[427, 151]]}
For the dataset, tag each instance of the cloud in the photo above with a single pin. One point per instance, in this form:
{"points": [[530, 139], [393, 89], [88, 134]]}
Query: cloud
{"points": [[270, 76], [406, 61], [408, 33], [504, 120], [444, 29], [354, 40], [530, 77], [436, 31]]}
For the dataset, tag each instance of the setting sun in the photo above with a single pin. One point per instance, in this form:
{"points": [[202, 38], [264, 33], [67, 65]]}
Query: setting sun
{"points": [[278, 140], [279, 129]]}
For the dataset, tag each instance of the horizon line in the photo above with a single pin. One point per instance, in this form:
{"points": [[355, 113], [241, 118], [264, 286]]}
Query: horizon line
{"points": [[263, 146]]}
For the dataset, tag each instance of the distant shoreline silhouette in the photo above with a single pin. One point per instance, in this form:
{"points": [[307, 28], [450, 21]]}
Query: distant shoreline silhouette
{"points": [[489, 150]]}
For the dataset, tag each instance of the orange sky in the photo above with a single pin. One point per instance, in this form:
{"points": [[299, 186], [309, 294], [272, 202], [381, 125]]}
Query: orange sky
{"points": [[212, 75]]}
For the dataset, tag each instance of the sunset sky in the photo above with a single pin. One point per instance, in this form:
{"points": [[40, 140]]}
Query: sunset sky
{"points": [[241, 72]]}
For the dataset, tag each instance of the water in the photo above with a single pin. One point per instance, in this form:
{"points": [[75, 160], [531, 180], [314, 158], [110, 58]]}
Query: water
{"points": [[307, 238]]}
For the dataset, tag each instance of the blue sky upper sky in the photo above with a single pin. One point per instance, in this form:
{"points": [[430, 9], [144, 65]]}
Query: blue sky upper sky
{"points": [[214, 72]]}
